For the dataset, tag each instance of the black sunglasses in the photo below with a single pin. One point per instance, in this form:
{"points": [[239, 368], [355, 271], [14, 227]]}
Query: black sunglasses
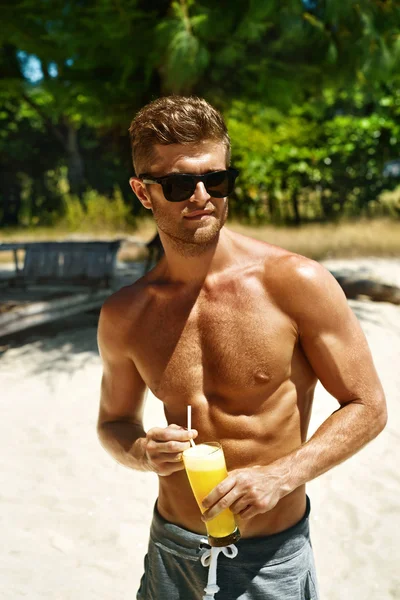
{"points": [[178, 187]]}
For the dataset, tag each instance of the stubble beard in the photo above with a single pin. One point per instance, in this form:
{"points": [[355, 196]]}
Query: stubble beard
{"points": [[186, 242]]}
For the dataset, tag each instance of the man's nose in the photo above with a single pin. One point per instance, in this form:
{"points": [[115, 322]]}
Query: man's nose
{"points": [[200, 193]]}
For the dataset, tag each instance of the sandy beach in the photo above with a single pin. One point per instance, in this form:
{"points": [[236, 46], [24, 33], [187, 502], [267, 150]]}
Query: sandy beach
{"points": [[75, 524]]}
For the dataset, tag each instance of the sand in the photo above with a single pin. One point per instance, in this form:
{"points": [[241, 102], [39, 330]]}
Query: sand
{"points": [[75, 524]]}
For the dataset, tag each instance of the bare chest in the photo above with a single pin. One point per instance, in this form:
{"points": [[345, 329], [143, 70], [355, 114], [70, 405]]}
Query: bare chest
{"points": [[235, 344]]}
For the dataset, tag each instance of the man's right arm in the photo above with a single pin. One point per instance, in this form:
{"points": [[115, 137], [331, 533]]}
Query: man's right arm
{"points": [[120, 423]]}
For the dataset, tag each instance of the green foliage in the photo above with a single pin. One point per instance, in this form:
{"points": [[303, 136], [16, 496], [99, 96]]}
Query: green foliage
{"points": [[308, 166], [307, 149], [179, 53], [96, 212]]}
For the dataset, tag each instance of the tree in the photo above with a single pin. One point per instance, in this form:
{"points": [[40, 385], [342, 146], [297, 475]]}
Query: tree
{"points": [[100, 60], [274, 51]]}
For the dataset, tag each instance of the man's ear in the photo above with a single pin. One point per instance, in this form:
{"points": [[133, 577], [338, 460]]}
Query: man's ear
{"points": [[139, 188]]}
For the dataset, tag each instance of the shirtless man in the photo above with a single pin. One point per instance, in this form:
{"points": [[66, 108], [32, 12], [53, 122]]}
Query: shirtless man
{"points": [[241, 330]]}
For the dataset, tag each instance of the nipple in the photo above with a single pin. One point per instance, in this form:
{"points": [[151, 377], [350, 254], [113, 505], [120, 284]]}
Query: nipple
{"points": [[262, 377]]}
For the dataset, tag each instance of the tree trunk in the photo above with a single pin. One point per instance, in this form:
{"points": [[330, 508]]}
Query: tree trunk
{"points": [[70, 142], [75, 162], [10, 193], [296, 209]]}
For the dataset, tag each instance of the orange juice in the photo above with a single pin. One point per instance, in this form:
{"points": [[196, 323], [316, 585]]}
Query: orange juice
{"points": [[205, 467]]}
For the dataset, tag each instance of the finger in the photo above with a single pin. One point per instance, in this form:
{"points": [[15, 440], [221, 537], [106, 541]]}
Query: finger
{"points": [[170, 433], [165, 433], [248, 512], [239, 506], [172, 447], [165, 464], [193, 433], [169, 468], [222, 504], [170, 458], [219, 492]]}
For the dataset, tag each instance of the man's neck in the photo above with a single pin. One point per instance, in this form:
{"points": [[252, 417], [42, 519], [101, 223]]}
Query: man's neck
{"points": [[195, 268]]}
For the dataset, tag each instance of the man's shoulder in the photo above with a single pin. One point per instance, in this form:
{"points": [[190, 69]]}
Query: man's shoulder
{"points": [[279, 262], [127, 303], [291, 279], [302, 287], [294, 268]]}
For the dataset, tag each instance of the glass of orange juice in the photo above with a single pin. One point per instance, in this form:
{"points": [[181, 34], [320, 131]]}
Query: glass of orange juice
{"points": [[205, 467]]}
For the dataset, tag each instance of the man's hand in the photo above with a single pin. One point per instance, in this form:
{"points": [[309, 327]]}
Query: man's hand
{"points": [[163, 448], [247, 492]]}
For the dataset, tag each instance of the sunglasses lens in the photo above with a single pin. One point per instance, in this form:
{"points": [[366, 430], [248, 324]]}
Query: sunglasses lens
{"points": [[178, 188], [219, 184]]}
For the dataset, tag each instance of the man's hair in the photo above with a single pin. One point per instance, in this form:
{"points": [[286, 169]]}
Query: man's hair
{"points": [[174, 120]]}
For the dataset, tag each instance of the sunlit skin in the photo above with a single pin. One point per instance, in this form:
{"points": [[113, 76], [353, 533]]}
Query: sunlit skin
{"points": [[188, 227], [241, 330]]}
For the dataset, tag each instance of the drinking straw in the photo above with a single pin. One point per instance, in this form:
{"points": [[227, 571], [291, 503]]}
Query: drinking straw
{"points": [[189, 421]]}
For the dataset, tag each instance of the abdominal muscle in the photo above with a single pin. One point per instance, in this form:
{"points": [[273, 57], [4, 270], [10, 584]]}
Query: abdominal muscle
{"points": [[177, 505], [261, 440]]}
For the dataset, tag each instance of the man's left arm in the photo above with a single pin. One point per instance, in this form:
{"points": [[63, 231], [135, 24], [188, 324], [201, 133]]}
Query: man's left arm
{"points": [[337, 350]]}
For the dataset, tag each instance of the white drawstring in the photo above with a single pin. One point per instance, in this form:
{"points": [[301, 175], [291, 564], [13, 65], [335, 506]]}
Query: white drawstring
{"points": [[209, 559]]}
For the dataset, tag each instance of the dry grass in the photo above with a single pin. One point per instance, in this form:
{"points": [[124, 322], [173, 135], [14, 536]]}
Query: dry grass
{"points": [[321, 241], [318, 241], [36, 234]]}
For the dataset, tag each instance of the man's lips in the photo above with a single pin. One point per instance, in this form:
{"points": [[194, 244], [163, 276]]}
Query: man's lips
{"points": [[198, 213]]}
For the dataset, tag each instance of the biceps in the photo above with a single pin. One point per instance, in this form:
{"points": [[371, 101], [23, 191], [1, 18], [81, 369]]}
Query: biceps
{"points": [[122, 392], [342, 361]]}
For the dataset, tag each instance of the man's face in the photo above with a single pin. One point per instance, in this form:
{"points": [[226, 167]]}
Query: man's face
{"points": [[194, 224]]}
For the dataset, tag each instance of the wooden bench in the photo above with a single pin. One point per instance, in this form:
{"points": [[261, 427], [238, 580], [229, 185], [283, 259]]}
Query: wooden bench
{"points": [[87, 263], [56, 280]]}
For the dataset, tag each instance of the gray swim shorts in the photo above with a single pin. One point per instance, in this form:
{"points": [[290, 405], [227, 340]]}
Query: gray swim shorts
{"points": [[275, 567]]}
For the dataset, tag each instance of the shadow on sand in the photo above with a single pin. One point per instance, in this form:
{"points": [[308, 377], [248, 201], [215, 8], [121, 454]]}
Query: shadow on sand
{"points": [[62, 346], [66, 335]]}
